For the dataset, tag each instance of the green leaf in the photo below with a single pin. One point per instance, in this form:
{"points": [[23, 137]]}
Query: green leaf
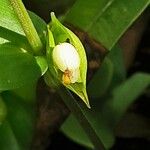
{"points": [[13, 37], [80, 113], [68, 128], [41, 61], [100, 82], [7, 138], [3, 110], [10, 21], [11, 30], [97, 120], [17, 129], [106, 113], [40, 26], [7, 35], [27, 26], [105, 20], [60, 34], [26, 93], [8, 18], [119, 74], [109, 75], [17, 67], [22, 67], [125, 94]]}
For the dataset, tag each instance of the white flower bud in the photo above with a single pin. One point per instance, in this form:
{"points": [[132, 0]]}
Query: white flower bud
{"points": [[67, 59]]}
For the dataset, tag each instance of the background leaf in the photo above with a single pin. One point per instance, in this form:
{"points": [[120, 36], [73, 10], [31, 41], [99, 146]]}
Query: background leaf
{"points": [[101, 81], [17, 129], [105, 20], [126, 93], [114, 75], [3, 110], [119, 71], [107, 110], [109, 75], [106, 113]]}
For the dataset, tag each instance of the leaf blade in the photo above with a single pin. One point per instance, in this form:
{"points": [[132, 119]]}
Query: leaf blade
{"points": [[21, 67], [107, 113], [105, 20]]}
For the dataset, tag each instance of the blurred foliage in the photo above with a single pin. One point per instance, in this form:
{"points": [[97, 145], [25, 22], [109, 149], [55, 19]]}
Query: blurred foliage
{"points": [[19, 72], [108, 108], [105, 20], [110, 92]]}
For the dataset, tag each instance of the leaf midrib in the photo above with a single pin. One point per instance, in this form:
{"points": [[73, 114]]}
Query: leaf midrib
{"points": [[99, 15]]}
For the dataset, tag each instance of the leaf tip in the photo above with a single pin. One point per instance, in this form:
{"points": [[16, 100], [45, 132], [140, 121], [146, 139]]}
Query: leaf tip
{"points": [[53, 16], [85, 99]]}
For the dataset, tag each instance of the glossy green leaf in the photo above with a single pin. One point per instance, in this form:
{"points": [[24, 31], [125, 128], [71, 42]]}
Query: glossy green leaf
{"points": [[7, 35], [107, 113], [8, 18], [40, 26], [22, 67], [41, 61], [59, 34], [13, 37], [11, 30], [17, 67], [105, 20], [101, 81]]}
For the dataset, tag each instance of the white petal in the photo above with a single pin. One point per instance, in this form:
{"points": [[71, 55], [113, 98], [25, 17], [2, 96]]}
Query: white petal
{"points": [[75, 75], [65, 56]]}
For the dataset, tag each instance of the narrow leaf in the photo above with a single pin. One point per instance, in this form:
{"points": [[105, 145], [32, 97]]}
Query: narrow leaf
{"points": [[125, 94], [105, 20], [106, 113], [101, 81], [79, 112]]}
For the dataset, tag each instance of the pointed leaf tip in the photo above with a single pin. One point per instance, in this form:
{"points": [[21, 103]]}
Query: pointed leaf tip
{"points": [[86, 100]]}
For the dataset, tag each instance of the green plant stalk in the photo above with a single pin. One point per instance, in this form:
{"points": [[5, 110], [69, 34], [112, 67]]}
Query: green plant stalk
{"points": [[27, 26], [79, 114]]}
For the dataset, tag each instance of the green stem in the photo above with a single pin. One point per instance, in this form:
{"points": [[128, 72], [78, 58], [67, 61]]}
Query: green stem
{"points": [[27, 26], [79, 113]]}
